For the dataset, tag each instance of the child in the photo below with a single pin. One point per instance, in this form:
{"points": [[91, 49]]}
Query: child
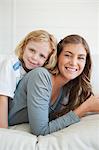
{"points": [[38, 48]]}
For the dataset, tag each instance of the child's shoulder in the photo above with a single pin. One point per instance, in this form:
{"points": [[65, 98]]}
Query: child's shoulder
{"points": [[11, 60], [40, 70]]}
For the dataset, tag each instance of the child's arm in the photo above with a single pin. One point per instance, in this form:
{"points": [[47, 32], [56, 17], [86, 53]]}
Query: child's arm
{"points": [[3, 111]]}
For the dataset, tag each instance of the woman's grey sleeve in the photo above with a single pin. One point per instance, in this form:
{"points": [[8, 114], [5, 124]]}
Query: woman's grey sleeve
{"points": [[39, 91]]}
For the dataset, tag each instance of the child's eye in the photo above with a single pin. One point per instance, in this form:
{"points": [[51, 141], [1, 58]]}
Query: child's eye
{"points": [[32, 50], [41, 55]]}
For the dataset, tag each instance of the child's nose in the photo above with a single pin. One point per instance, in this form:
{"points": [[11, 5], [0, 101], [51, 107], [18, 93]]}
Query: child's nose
{"points": [[35, 57]]}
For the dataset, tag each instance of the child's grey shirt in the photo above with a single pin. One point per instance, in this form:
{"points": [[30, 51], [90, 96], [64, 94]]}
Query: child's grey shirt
{"points": [[32, 102]]}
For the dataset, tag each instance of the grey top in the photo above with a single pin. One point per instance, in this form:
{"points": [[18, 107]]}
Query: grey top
{"points": [[33, 95]]}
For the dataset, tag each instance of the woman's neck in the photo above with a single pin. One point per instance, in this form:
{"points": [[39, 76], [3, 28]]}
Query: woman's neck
{"points": [[58, 81], [57, 84]]}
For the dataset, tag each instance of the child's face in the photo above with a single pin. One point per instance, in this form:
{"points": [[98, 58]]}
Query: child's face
{"points": [[71, 61], [35, 54]]}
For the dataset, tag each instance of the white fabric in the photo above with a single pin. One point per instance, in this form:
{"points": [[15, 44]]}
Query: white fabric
{"points": [[11, 72], [17, 140], [80, 136], [22, 127]]}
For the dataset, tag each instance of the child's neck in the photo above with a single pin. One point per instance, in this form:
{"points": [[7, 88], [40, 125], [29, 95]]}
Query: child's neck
{"points": [[23, 65]]}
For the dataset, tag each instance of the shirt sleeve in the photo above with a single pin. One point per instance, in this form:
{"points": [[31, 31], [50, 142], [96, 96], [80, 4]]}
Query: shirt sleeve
{"points": [[7, 79], [39, 91]]}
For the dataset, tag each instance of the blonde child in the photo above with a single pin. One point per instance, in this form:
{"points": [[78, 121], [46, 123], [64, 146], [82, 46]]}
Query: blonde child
{"points": [[38, 48]]}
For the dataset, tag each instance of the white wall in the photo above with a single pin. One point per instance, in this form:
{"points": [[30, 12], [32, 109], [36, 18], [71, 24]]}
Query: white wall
{"points": [[60, 17], [6, 25]]}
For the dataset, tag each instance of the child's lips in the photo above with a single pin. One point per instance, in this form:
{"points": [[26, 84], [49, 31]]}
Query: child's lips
{"points": [[33, 64]]}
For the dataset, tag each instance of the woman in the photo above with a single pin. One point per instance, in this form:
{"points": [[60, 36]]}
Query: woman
{"points": [[54, 99], [38, 48]]}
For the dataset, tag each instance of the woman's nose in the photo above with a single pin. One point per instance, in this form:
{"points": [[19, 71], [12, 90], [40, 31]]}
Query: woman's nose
{"points": [[73, 61]]}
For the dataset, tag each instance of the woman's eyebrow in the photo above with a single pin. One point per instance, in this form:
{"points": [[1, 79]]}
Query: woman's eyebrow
{"points": [[68, 52], [82, 55], [74, 53]]}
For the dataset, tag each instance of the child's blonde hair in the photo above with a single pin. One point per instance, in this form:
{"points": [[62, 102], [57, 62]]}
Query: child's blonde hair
{"points": [[40, 36]]}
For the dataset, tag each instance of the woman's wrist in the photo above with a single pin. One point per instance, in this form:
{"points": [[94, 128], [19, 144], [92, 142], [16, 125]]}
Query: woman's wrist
{"points": [[81, 110]]}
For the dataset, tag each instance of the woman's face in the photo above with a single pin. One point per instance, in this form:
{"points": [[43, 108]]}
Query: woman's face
{"points": [[71, 61]]}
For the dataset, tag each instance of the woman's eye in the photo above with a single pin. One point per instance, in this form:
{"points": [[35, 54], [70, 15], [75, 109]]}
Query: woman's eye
{"points": [[82, 58], [67, 55]]}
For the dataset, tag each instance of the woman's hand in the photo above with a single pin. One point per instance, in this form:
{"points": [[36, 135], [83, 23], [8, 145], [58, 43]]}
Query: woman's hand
{"points": [[90, 105], [93, 103]]}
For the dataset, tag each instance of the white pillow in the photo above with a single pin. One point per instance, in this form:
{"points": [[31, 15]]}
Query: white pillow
{"points": [[16, 140], [22, 127], [80, 136]]}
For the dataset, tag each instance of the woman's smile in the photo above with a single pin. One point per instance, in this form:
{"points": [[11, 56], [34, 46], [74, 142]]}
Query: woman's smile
{"points": [[71, 69]]}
